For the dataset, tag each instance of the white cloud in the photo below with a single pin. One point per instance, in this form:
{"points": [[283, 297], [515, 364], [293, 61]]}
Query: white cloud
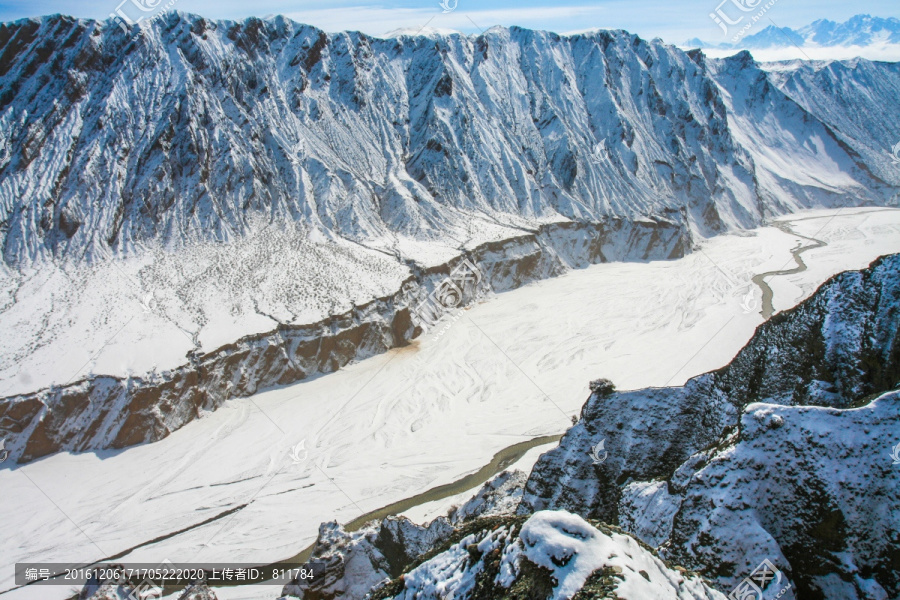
{"points": [[885, 52]]}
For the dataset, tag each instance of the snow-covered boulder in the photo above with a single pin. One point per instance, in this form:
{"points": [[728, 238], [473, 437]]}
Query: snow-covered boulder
{"points": [[499, 496], [551, 554]]}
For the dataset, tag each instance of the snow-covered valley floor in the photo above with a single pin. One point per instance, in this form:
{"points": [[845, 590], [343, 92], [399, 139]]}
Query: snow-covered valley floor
{"points": [[514, 367]]}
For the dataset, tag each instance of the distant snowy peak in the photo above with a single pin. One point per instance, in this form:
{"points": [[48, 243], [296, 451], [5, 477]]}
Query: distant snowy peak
{"points": [[860, 31]]}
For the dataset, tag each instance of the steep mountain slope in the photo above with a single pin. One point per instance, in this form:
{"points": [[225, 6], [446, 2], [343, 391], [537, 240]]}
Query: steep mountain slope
{"points": [[112, 142], [846, 96], [818, 168], [721, 483]]}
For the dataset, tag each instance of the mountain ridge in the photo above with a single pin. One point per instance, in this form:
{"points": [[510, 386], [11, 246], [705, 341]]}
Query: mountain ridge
{"points": [[182, 133]]}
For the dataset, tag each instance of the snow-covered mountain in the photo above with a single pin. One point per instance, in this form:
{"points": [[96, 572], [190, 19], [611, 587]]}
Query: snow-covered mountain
{"points": [[858, 31], [114, 141], [847, 96]]}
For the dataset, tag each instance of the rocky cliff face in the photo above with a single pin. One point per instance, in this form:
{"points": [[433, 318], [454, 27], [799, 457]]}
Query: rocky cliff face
{"points": [[112, 141], [719, 482], [808, 488]]}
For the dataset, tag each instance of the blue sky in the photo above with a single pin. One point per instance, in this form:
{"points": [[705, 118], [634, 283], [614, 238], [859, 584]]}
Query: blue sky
{"points": [[674, 21]]}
